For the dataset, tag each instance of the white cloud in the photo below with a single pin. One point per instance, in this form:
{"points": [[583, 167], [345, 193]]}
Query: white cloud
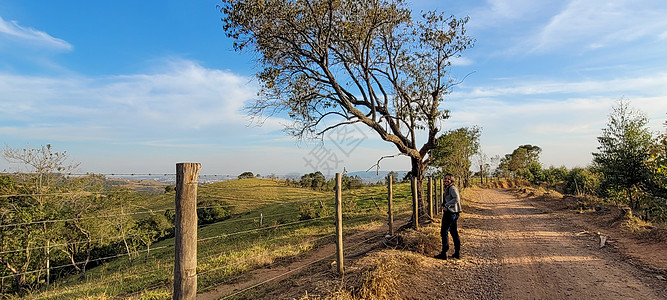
{"points": [[656, 84], [461, 61], [43, 39], [601, 23], [185, 98]]}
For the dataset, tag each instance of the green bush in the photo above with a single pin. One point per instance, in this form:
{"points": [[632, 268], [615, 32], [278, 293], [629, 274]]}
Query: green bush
{"points": [[212, 211], [582, 181]]}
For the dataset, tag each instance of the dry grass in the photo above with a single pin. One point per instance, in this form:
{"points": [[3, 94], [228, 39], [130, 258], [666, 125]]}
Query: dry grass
{"points": [[381, 274]]}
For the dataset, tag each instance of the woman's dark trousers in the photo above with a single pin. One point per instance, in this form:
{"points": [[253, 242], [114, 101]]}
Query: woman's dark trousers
{"points": [[449, 220]]}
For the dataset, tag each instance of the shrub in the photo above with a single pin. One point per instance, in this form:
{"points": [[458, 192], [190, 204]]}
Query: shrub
{"points": [[582, 181], [245, 175], [211, 211]]}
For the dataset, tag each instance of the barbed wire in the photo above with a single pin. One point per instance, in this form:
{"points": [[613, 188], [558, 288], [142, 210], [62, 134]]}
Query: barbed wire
{"points": [[118, 238], [260, 229], [83, 218], [122, 277], [292, 270], [262, 255], [84, 262], [141, 212], [208, 254], [86, 193], [247, 219]]}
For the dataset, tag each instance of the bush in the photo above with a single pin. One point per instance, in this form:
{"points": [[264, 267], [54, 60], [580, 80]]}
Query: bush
{"points": [[582, 181], [245, 175], [307, 212], [212, 211]]}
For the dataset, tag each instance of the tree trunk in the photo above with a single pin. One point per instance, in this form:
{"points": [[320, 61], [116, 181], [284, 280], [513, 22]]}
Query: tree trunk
{"points": [[418, 173]]}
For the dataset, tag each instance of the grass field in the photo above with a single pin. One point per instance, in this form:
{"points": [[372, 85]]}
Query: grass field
{"points": [[229, 248]]}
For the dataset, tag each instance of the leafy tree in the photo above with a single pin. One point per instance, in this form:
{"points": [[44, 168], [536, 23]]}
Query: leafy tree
{"points": [[518, 162], [152, 228], [42, 174], [315, 181], [394, 176], [455, 150], [246, 175], [658, 164], [553, 175], [623, 154], [330, 63]]}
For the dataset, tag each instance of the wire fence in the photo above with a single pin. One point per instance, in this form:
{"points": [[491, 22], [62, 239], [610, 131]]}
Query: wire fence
{"points": [[209, 252]]}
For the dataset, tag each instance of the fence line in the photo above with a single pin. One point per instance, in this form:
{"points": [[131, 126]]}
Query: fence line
{"points": [[83, 262], [294, 270], [134, 213], [259, 229], [72, 243], [359, 214], [262, 255], [83, 218], [254, 203], [248, 219]]}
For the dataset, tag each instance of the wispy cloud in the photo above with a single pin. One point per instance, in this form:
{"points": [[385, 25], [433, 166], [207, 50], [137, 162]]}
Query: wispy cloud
{"points": [[655, 84], [185, 97], [25, 34], [600, 23]]}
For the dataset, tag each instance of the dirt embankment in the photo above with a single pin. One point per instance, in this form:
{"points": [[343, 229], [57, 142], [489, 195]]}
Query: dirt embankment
{"points": [[515, 246]]}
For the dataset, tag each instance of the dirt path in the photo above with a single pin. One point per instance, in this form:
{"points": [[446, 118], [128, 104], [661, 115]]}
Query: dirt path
{"points": [[543, 256], [513, 248]]}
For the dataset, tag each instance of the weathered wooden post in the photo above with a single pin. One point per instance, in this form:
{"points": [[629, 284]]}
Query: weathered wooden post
{"points": [[185, 265], [430, 196], [415, 208], [390, 197], [339, 224], [442, 193]]}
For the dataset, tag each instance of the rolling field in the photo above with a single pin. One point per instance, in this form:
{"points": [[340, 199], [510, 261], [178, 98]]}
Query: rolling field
{"points": [[271, 223]]}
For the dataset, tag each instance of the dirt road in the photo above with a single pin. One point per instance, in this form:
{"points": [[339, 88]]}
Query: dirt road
{"points": [[513, 248], [544, 256]]}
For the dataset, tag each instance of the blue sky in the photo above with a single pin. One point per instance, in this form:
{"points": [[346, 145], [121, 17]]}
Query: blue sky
{"points": [[137, 86]]}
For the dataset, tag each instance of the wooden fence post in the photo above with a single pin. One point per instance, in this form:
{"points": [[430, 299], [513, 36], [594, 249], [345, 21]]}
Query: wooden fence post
{"points": [[185, 264], [415, 208], [339, 224], [430, 196], [442, 193], [390, 196]]}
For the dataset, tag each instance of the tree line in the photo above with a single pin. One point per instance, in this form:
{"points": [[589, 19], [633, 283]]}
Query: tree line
{"points": [[628, 168]]}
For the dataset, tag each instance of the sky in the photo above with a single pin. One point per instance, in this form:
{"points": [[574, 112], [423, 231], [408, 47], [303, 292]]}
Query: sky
{"points": [[138, 86]]}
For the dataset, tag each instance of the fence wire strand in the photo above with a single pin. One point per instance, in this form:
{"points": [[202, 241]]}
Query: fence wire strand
{"points": [[260, 229]]}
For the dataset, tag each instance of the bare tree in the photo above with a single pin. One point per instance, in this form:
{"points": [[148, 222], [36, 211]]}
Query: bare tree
{"points": [[330, 63], [482, 164]]}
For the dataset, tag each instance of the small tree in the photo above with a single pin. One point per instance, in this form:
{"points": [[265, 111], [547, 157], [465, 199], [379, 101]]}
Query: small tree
{"points": [[518, 162], [40, 173], [455, 150], [481, 161], [623, 154]]}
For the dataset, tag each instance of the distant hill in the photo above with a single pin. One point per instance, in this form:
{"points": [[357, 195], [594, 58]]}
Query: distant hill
{"points": [[373, 176]]}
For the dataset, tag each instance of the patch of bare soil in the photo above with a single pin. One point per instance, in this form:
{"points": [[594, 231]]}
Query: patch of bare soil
{"points": [[515, 246]]}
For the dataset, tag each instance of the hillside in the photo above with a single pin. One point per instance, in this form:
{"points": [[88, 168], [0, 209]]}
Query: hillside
{"points": [[272, 224]]}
